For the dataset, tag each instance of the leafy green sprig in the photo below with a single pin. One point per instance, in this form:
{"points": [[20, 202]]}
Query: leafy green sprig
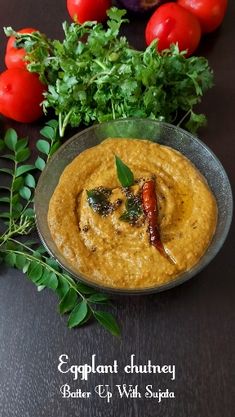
{"points": [[95, 75], [19, 250]]}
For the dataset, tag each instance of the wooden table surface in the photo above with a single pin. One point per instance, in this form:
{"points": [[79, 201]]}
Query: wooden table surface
{"points": [[191, 326]]}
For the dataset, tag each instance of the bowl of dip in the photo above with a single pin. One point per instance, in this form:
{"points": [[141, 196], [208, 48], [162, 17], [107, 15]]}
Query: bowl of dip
{"points": [[103, 233]]}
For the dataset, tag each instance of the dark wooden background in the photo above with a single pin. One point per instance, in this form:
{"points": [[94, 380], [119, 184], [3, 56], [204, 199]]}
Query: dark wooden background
{"points": [[191, 326]]}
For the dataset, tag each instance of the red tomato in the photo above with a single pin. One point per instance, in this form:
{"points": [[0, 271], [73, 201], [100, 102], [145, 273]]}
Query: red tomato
{"points": [[14, 57], [21, 93], [171, 23], [210, 13], [84, 10]]}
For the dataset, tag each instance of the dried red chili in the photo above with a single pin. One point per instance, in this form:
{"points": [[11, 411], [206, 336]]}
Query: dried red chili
{"points": [[149, 199]]}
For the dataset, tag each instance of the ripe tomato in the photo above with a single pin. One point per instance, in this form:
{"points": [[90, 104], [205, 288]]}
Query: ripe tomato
{"points": [[14, 57], [84, 10], [210, 13], [171, 23], [21, 93]]}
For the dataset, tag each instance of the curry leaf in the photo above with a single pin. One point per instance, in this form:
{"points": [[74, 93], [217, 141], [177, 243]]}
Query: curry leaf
{"points": [[108, 321], [35, 271], [125, 175], [98, 298], [133, 209], [20, 261], [78, 314], [85, 289], [62, 287], [52, 281], [30, 181], [40, 163], [18, 183], [23, 169], [48, 132], [68, 302], [25, 193], [6, 171], [4, 199], [21, 144], [98, 200], [43, 146], [10, 259], [29, 212], [22, 155], [10, 139]]}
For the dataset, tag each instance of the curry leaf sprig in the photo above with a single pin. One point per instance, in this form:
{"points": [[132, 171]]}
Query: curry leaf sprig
{"points": [[95, 75], [19, 250]]}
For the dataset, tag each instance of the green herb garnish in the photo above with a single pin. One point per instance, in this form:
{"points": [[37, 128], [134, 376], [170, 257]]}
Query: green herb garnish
{"points": [[104, 78], [17, 221], [133, 209], [98, 200], [125, 175]]}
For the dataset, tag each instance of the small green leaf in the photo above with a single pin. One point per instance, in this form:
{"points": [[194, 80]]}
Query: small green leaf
{"points": [[35, 271], [13, 246], [78, 314], [5, 215], [108, 321], [8, 156], [23, 169], [17, 209], [43, 146], [40, 163], [54, 148], [84, 289], [133, 209], [4, 200], [22, 155], [20, 261], [10, 259], [10, 139], [53, 123], [6, 171], [25, 193], [29, 212], [125, 175], [48, 132], [62, 288], [87, 317], [21, 144], [37, 254], [4, 188], [44, 278], [15, 198], [98, 200], [68, 302], [53, 264], [52, 282], [18, 183], [98, 298], [26, 267], [30, 181]]}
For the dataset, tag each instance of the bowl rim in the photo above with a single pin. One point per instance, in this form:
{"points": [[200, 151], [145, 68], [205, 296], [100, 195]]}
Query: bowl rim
{"points": [[184, 276]]}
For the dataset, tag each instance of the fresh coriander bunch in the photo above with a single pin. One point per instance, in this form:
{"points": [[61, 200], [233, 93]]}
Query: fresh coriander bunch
{"points": [[18, 247], [94, 75]]}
